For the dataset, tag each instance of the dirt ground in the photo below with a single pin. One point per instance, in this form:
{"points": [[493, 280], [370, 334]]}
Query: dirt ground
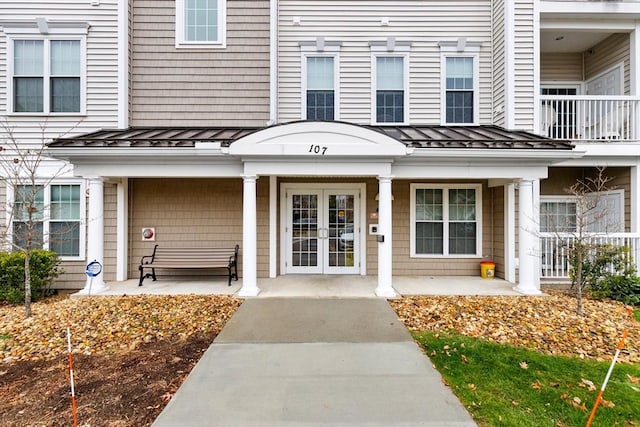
{"points": [[128, 389]]}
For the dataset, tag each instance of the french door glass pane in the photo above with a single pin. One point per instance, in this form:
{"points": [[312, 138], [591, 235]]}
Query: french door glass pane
{"points": [[304, 244], [341, 216]]}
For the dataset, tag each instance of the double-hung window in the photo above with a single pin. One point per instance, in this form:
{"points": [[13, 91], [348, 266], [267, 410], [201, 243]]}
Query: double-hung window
{"points": [[201, 23], [46, 74], [601, 212], [445, 220], [460, 82], [320, 94], [460, 89], [49, 217], [390, 93]]}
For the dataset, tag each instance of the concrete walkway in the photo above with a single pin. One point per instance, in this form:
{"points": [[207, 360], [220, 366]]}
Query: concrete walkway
{"points": [[314, 362]]}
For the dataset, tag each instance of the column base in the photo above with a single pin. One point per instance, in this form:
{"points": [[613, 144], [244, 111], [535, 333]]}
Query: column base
{"points": [[386, 292], [527, 291], [98, 286], [246, 291]]}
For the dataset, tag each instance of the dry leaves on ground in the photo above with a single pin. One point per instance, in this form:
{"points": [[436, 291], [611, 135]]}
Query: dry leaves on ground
{"points": [[108, 325], [548, 324]]}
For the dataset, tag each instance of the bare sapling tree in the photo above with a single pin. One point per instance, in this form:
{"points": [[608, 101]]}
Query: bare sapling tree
{"points": [[22, 171], [591, 217]]}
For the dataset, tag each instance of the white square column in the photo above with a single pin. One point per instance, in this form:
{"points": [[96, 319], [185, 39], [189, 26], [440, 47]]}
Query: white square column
{"points": [[385, 239], [95, 235], [529, 240], [249, 238]]}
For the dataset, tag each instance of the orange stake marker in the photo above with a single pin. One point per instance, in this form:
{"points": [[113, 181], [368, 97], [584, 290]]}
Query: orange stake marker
{"points": [[73, 391], [606, 379]]}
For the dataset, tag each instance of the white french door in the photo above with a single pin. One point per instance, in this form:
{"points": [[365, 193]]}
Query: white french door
{"points": [[322, 232]]}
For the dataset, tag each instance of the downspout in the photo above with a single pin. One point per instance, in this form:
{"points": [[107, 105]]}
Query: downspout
{"points": [[273, 63]]}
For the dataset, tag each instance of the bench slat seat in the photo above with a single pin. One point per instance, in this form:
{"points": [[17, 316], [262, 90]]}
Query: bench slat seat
{"points": [[190, 258]]}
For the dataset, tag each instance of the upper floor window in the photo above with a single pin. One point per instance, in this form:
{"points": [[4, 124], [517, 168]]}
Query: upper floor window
{"points": [[390, 96], [46, 68], [460, 89], [320, 88], [49, 217], [460, 81], [200, 23]]}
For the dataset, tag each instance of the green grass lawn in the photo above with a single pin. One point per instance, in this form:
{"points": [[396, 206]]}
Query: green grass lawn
{"points": [[506, 386], [636, 314]]}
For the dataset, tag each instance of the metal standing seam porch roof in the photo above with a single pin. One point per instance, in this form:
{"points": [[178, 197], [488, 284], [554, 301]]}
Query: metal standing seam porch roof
{"points": [[478, 137]]}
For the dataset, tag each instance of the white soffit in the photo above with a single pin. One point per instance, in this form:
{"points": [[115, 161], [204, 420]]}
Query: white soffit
{"points": [[318, 139]]}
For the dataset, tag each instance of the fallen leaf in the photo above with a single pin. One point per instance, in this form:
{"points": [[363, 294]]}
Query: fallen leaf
{"points": [[587, 384], [472, 387], [634, 380], [166, 397], [514, 403], [464, 359], [536, 385], [607, 403], [524, 365]]}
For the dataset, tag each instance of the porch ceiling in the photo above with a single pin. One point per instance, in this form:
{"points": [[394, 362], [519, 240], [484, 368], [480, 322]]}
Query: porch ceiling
{"points": [[449, 137]]}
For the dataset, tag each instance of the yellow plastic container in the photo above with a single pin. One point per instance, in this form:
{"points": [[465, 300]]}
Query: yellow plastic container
{"points": [[487, 269]]}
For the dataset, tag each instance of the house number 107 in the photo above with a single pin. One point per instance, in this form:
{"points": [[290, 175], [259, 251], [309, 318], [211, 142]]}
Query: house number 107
{"points": [[317, 149]]}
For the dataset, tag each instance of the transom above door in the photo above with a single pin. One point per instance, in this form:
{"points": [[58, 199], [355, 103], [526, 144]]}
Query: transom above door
{"points": [[322, 229]]}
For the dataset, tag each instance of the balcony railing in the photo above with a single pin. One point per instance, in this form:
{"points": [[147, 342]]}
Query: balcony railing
{"points": [[590, 118], [555, 258]]}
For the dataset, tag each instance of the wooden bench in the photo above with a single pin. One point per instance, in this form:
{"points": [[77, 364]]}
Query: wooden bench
{"points": [[190, 258]]}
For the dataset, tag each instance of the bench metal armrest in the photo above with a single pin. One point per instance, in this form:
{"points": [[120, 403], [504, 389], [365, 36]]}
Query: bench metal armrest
{"points": [[152, 257]]}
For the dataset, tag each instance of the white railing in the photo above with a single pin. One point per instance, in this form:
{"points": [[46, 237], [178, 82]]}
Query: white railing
{"points": [[554, 255], [590, 118]]}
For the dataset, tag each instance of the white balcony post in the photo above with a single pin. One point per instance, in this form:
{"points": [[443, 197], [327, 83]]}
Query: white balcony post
{"points": [[385, 239], [528, 245], [249, 239], [95, 235]]}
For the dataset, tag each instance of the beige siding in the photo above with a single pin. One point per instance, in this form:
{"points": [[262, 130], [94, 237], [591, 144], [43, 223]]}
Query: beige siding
{"points": [[496, 228], [199, 87], [523, 90], [101, 58], [110, 231], [606, 54], [561, 67], [404, 265], [499, 64], [356, 23], [619, 178], [193, 212]]}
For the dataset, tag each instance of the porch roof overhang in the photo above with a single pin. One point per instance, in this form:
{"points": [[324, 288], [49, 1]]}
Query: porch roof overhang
{"points": [[193, 151]]}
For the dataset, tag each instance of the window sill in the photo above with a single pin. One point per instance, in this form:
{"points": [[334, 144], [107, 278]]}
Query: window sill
{"points": [[35, 114], [72, 258], [213, 45], [435, 256]]}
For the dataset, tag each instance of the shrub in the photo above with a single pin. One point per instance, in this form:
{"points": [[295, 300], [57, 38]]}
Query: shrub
{"points": [[44, 267], [608, 271]]}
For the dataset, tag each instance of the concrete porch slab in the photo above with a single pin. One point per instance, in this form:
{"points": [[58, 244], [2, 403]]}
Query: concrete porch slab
{"points": [[314, 286]]}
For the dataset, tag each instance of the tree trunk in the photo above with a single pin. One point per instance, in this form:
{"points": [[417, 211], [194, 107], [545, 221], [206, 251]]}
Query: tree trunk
{"points": [[580, 257], [27, 283]]}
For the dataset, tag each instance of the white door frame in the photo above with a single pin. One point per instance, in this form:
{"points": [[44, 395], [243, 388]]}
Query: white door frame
{"points": [[317, 186]]}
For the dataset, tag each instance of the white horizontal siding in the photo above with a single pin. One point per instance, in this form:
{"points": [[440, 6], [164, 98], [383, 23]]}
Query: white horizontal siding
{"points": [[356, 23], [102, 70], [523, 64], [499, 62]]}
